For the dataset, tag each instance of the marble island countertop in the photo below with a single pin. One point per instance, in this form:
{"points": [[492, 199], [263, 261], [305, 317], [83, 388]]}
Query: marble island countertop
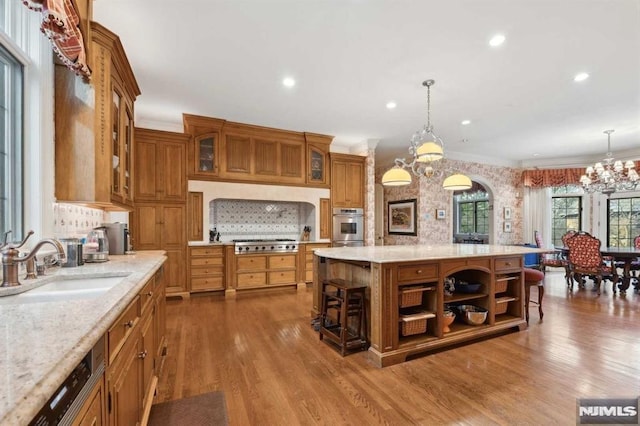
{"points": [[408, 253], [42, 342]]}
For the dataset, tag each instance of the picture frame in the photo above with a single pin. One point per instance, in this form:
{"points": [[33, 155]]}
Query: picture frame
{"points": [[507, 227], [402, 219], [441, 214], [507, 213]]}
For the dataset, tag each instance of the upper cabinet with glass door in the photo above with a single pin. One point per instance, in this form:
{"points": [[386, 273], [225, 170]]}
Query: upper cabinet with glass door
{"points": [[318, 159], [206, 152]]}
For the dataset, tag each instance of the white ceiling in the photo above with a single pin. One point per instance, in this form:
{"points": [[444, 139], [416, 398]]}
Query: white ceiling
{"points": [[227, 59]]}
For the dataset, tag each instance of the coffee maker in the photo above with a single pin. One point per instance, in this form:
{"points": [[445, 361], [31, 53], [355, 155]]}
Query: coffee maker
{"points": [[118, 235]]}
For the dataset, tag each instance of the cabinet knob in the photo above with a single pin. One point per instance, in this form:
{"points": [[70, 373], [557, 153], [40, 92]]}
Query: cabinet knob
{"points": [[143, 354], [128, 323], [507, 263], [150, 294], [419, 271]]}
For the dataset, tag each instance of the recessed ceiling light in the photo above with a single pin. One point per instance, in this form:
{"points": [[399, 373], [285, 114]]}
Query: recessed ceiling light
{"points": [[581, 76], [497, 40], [391, 105], [465, 122], [536, 154], [288, 82]]}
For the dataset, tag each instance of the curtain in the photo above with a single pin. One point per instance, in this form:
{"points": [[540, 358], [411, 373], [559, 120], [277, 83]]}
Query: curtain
{"points": [[537, 214], [555, 177], [60, 23]]}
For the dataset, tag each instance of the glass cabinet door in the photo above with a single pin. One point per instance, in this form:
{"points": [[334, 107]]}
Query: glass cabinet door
{"points": [[317, 165], [115, 142], [127, 148], [206, 154]]}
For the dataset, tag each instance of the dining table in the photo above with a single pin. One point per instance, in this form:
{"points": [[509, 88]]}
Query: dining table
{"points": [[625, 255]]}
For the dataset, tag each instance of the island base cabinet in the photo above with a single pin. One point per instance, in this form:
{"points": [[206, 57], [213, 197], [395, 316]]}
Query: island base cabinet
{"points": [[407, 301]]}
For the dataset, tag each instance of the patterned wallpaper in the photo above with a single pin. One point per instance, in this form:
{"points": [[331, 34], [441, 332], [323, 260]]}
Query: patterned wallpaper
{"points": [[503, 184], [253, 219]]}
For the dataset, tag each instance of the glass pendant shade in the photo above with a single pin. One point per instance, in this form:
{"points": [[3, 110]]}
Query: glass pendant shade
{"points": [[396, 176], [457, 182], [429, 151]]}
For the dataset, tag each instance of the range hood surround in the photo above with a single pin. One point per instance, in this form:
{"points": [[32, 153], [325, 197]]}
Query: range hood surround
{"points": [[307, 199]]}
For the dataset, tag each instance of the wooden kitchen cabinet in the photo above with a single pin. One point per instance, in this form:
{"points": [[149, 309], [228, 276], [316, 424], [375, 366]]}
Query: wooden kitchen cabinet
{"points": [[237, 152], [94, 127], [206, 268], [160, 162], [307, 257], [347, 180], [194, 216], [162, 227], [325, 218], [263, 270], [133, 363], [318, 159]]}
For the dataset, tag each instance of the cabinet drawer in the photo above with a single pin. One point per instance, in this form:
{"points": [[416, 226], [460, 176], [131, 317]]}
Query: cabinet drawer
{"points": [[204, 261], [252, 279], [508, 263], [146, 294], [251, 263], [282, 277], [207, 283], [277, 262], [122, 327], [204, 271], [207, 251], [417, 273]]}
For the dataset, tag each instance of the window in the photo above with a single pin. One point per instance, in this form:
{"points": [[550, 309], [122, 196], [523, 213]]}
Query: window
{"points": [[11, 93], [623, 221], [473, 217], [566, 211]]}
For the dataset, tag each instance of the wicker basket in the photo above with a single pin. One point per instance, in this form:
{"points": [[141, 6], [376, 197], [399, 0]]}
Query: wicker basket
{"points": [[415, 323], [501, 286], [502, 303], [411, 296]]}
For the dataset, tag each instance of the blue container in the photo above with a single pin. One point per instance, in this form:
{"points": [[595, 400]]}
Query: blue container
{"points": [[531, 260]]}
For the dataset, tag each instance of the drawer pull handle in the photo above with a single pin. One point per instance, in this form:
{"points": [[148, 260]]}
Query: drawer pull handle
{"points": [[143, 354], [129, 323], [419, 271], [150, 294], [507, 263]]}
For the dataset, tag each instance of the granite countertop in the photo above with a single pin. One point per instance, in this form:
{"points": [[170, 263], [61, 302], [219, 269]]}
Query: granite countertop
{"points": [[402, 253], [43, 342], [230, 243]]}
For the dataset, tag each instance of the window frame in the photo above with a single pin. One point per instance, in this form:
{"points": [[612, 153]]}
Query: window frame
{"points": [[631, 234]]}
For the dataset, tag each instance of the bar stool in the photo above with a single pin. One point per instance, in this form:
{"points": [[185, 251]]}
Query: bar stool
{"points": [[348, 301], [533, 277]]}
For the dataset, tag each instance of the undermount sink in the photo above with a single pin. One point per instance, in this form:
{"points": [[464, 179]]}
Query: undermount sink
{"points": [[66, 288]]}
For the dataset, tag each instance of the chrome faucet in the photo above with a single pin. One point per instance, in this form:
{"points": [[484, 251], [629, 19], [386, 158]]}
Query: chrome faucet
{"points": [[11, 258]]}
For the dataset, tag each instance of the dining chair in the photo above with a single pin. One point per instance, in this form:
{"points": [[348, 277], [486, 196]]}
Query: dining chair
{"points": [[556, 259], [635, 265], [585, 259]]}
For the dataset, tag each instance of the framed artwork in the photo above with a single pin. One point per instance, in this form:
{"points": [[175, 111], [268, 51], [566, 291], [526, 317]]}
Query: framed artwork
{"points": [[507, 227], [507, 213], [440, 214], [402, 217]]}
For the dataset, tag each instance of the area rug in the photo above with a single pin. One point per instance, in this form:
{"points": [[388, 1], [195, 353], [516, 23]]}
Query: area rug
{"points": [[208, 409]]}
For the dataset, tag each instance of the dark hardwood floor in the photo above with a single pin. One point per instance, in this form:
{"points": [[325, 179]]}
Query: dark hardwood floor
{"points": [[261, 350]]}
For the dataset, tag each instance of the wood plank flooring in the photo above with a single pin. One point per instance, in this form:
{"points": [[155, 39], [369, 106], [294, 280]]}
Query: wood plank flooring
{"points": [[261, 350]]}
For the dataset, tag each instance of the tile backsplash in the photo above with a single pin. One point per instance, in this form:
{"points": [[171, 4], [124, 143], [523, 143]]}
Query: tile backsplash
{"points": [[253, 219], [70, 220]]}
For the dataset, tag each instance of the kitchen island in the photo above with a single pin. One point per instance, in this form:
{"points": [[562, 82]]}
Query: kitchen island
{"points": [[394, 275], [43, 341]]}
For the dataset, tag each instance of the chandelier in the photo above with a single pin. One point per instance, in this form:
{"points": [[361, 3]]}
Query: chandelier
{"points": [[610, 176], [426, 149]]}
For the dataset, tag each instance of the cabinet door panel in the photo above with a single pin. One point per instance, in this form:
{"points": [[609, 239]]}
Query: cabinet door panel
{"points": [[292, 160], [355, 185], [146, 236], [146, 160], [266, 157], [325, 218], [125, 387], [339, 186], [175, 272], [173, 172], [173, 229], [238, 154], [194, 216]]}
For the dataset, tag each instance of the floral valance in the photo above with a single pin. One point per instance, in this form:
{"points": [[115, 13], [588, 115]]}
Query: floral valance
{"points": [[60, 22], [554, 177]]}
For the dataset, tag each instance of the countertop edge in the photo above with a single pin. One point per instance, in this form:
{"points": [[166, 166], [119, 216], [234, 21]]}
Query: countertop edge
{"points": [[28, 406]]}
